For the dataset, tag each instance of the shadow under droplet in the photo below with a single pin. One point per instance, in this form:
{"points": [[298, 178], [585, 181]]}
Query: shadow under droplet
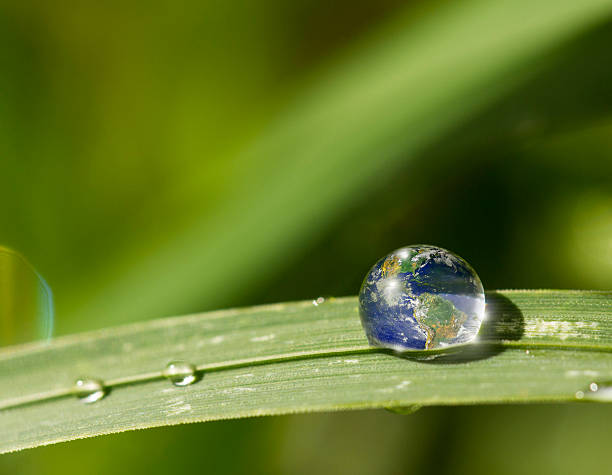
{"points": [[504, 322]]}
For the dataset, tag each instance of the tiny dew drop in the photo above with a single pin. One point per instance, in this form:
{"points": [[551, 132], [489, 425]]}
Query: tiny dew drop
{"points": [[318, 301], [89, 390], [404, 410], [180, 373], [599, 392]]}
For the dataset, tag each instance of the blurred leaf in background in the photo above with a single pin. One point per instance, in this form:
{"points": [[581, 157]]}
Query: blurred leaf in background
{"points": [[160, 159]]}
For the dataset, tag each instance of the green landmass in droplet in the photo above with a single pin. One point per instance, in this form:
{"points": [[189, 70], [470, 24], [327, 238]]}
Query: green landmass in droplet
{"points": [[439, 318]]}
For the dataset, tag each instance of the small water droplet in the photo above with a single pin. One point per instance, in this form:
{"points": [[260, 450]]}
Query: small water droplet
{"points": [[89, 390], [181, 373], [318, 301], [526, 352], [404, 410], [579, 395], [599, 392]]}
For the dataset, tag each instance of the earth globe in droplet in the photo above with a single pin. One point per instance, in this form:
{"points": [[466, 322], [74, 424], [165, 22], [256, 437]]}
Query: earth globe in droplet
{"points": [[421, 297]]}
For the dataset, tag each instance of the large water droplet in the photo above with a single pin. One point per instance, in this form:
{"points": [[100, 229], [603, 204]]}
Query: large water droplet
{"points": [[181, 373], [318, 301], [26, 301], [89, 390], [421, 297]]}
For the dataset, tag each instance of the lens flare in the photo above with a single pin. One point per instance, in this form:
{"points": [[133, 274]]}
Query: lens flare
{"points": [[26, 301]]}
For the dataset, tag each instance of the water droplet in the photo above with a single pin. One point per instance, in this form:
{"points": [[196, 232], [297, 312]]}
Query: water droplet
{"points": [[599, 392], [318, 301], [89, 390], [26, 301], [404, 410], [579, 395], [181, 373], [421, 297], [526, 352]]}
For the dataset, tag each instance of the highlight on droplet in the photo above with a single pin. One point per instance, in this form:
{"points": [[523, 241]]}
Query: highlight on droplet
{"points": [[26, 301]]}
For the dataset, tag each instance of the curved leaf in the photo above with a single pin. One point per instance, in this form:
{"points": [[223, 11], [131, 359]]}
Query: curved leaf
{"points": [[298, 357]]}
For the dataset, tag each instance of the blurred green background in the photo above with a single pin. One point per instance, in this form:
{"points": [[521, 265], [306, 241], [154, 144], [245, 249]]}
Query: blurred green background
{"points": [[158, 159]]}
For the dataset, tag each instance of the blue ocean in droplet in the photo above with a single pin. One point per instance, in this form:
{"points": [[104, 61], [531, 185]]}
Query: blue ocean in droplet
{"points": [[26, 301]]}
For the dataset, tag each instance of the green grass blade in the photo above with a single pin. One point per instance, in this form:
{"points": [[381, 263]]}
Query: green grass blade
{"points": [[536, 346]]}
